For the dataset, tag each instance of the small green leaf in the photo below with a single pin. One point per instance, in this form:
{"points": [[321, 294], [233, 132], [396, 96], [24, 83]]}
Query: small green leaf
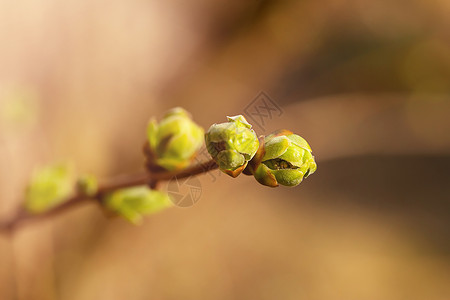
{"points": [[264, 176], [49, 186], [275, 147], [133, 203], [299, 141], [288, 177], [239, 119], [312, 167], [294, 155], [152, 128], [230, 160]]}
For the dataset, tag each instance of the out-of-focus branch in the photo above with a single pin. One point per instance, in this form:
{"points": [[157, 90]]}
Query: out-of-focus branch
{"points": [[22, 216]]}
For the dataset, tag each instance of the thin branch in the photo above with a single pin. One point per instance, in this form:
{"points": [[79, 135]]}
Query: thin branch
{"points": [[152, 179]]}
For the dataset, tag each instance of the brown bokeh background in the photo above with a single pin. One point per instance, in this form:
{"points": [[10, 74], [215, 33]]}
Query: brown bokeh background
{"points": [[367, 83]]}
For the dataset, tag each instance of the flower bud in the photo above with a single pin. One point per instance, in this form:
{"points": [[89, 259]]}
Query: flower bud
{"points": [[49, 186], [174, 142], [232, 144], [135, 202], [287, 159]]}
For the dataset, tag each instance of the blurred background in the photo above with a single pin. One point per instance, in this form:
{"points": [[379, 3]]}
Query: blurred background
{"points": [[367, 83]]}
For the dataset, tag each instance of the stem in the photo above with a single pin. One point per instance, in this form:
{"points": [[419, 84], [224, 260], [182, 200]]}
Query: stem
{"points": [[152, 179]]}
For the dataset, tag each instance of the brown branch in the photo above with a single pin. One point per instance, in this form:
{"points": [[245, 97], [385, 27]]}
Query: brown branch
{"points": [[23, 216]]}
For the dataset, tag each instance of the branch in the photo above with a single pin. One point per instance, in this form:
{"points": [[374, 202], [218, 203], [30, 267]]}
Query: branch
{"points": [[23, 216]]}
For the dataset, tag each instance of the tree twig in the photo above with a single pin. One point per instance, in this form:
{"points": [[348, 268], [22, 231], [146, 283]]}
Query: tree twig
{"points": [[22, 216]]}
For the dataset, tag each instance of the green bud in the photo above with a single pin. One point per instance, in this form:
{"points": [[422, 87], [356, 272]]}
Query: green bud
{"points": [[174, 142], [287, 160], [232, 144], [87, 185], [49, 187], [135, 202]]}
